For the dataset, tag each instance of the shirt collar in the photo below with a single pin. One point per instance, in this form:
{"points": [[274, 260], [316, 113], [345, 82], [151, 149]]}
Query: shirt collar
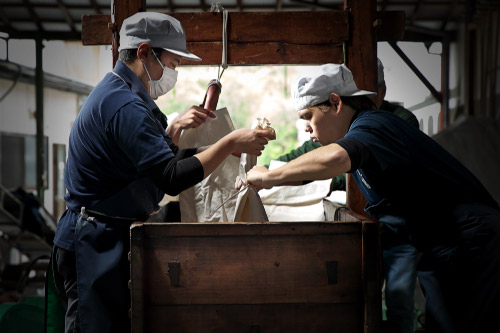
{"points": [[134, 83]]}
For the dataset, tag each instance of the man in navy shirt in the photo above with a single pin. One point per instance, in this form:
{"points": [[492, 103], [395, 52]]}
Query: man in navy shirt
{"points": [[455, 224], [121, 162]]}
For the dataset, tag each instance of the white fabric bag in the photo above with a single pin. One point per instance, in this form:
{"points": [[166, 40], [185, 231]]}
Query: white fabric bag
{"points": [[249, 207], [198, 202], [295, 203]]}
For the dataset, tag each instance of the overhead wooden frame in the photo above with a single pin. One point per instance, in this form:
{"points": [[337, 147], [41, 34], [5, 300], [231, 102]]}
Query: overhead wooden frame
{"points": [[256, 38]]}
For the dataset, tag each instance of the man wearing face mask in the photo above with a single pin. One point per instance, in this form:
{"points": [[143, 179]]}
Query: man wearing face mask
{"points": [[121, 162]]}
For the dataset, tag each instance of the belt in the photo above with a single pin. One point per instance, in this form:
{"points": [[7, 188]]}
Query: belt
{"points": [[90, 216]]}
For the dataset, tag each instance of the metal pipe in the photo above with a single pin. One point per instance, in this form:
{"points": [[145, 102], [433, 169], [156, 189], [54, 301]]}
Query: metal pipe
{"points": [[40, 153]]}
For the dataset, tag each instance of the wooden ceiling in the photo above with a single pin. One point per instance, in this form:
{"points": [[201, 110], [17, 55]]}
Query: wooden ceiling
{"points": [[61, 19]]}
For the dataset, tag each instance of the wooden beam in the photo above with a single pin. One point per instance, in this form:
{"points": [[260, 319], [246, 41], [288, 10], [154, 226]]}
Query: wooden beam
{"points": [[120, 10], [290, 27], [67, 15], [249, 40], [265, 53], [362, 61], [389, 26]]}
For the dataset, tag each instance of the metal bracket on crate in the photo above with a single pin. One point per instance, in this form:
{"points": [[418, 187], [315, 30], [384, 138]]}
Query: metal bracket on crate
{"points": [[174, 269], [331, 271]]}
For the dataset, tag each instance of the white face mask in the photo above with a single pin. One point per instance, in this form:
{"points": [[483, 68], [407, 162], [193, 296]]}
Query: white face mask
{"points": [[166, 82]]}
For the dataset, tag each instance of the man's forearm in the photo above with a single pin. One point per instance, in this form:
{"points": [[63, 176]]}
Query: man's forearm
{"points": [[212, 156], [322, 163]]}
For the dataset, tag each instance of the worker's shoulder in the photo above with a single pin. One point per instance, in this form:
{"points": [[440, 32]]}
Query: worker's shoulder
{"points": [[113, 96]]}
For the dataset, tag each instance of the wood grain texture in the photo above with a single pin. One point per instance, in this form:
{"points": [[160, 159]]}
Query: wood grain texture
{"points": [[230, 276]]}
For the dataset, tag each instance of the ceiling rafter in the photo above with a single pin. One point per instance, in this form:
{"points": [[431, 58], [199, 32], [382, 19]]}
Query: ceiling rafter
{"points": [[67, 16], [203, 6], [438, 14], [448, 17], [4, 17], [33, 14], [414, 14], [95, 6]]}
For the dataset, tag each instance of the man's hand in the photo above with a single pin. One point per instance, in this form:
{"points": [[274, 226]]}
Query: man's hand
{"points": [[249, 141], [190, 118], [257, 178]]}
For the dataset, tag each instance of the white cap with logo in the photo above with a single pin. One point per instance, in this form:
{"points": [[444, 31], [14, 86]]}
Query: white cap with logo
{"points": [[316, 88], [159, 30]]}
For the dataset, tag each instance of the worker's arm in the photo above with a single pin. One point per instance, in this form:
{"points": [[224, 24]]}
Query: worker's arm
{"points": [[306, 147], [243, 140], [322, 163], [187, 168], [338, 183], [190, 118]]}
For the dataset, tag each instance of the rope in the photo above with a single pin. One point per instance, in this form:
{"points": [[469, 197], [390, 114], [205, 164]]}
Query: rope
{"points": [[217, 7]]}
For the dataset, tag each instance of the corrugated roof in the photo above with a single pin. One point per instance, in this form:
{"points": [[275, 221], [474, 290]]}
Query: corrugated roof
{"points": [[61, 19]]}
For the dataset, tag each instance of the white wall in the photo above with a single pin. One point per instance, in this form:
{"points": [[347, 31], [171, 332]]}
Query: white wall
{"points": [[17, 115], [71, 60]]}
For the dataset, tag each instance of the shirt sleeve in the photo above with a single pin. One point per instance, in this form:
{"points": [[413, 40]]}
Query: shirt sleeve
{"points": [[358, 153]]}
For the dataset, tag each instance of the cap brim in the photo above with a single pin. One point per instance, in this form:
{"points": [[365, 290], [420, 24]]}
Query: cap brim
{"points": [[362, 93], [185, 54]]}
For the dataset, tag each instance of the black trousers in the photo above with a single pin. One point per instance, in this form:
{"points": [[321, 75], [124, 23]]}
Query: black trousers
{"points": [[65, 280]]}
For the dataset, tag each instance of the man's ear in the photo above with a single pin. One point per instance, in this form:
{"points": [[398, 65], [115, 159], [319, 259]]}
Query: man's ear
{"points": [[143, 51], [336, 101]]}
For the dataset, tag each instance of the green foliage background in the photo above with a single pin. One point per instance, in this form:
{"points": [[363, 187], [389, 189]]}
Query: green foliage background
{"points": [[240, 97]]}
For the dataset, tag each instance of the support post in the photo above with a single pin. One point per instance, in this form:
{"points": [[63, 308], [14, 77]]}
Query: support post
{"points": [[40, 149], [120, 10], [361, 58]]}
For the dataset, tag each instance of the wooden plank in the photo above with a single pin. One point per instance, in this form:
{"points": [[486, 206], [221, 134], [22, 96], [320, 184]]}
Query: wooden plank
{"points": [[251, 27], [276, 53], [245, 27], [371, 277], [96, 30], [137, 276], [355, 201], [362, 61], [178, 229], [207, 27], [390, 26], [252, 276], [120, 10], [339, 318], [253, 269], [362, 46], [338, 212]]}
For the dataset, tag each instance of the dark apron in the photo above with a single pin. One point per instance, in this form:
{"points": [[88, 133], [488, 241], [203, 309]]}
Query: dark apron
{"points": [[102, 244], [103, 273]]}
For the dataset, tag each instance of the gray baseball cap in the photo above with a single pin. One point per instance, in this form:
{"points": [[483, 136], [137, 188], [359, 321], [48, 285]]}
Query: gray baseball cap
{"points": [[159, 30], [316, 88]]}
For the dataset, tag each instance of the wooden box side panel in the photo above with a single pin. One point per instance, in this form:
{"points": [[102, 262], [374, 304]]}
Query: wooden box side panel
{"points": [[254, 269], [339, 318]]}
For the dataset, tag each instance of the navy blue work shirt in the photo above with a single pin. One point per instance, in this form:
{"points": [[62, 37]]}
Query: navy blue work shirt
{"points": [[411, 183], [114, 140]]}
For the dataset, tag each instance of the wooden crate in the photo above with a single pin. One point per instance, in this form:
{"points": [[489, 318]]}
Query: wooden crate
{"points": [[255, 277]]}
